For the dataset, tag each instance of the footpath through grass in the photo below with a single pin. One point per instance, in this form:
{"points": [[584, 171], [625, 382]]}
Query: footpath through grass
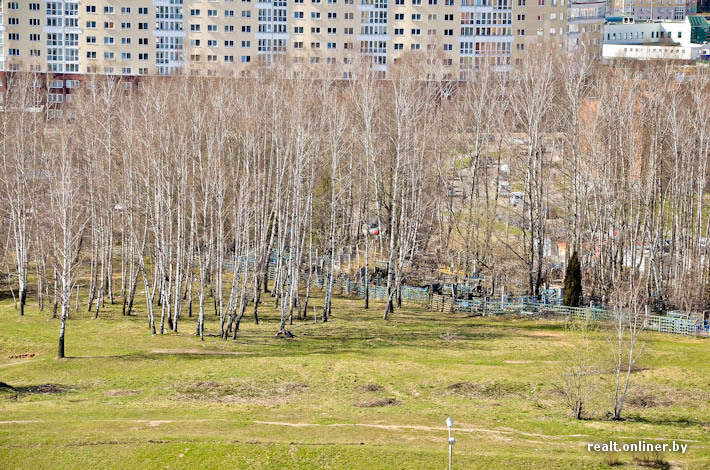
{"points": [[355, 393]]}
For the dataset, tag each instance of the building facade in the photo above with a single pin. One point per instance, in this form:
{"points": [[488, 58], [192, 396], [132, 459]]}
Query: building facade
{"points": [[652, 9], [163, 37], [647, 40]]}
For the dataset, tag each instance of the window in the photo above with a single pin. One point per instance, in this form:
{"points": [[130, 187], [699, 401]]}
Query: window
{"points": [[211, 13], [108, 40], [521, 17], [416, 17], [332, 45], [194, 27], [246, 43], [143, 56], [399, 16], [108, 24], [448, 32], [229, 14], [246, 29], [211, 43], [108, 55], [296, 14], [448, 47], [13, 36], [229, 28], [34, 21], [448, 17], [398, 31], [125, 41], [229, 58], [35, 37], [143, 26], [416, 31], [212, 28], [108, 10], [398, 46], [91, 8], [332, 30], [415, 46], [143, 10], [332, 15], [126, 55], [246, 59], [35, 7], [298, 45], [125, 10], [194, 12], [143, 41], [315, 15], [125, 25], [298, 30], [91, 54], [228, 43]]}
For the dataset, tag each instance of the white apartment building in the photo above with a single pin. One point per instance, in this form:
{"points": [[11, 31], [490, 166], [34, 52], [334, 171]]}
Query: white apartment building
{"points": [[163, 37], [644, 40]]}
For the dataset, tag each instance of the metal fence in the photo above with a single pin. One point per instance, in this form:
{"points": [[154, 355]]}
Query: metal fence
{"points": [[493, 306]]}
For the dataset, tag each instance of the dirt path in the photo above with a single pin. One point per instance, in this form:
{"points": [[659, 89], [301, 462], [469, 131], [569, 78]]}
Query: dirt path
{"points": [[503, 433]]}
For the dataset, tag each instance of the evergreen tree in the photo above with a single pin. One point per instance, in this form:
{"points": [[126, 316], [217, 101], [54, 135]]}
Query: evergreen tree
{"points": [[573, 282]]}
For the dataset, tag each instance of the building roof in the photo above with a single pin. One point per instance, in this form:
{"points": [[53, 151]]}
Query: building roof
{"points": [[697, 20]]}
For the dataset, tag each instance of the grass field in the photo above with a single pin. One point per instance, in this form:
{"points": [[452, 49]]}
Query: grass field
{"points": [[355, 393]]}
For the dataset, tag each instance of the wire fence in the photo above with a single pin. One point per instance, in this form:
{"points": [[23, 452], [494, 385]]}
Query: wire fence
{"points": [[494, 306]]}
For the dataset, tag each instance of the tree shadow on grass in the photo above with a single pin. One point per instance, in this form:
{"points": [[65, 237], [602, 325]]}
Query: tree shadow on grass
{"points": [[682, 421]]}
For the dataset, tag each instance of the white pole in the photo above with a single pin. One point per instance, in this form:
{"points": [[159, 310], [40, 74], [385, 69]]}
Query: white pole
{"points": [[450, 449], [449, 423]]}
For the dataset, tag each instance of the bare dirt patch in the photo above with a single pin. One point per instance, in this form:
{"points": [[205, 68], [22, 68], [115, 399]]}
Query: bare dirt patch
{"points": [[371, 388], [45, 389], [390, 401], [121, 393], [22, 356], [266, 394], [489, 390]]}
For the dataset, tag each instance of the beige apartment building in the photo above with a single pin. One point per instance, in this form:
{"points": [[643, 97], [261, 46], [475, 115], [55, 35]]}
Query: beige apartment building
{"points": [[652, 9], [162, 37]]}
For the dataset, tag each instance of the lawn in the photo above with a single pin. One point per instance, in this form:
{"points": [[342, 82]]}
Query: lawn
{"points": [[354, 393]]}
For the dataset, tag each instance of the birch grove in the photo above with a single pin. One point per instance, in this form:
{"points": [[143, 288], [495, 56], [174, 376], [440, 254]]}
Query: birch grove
{"points": [[183, 197]]}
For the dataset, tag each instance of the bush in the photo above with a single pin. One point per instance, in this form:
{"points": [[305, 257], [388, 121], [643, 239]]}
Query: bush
{"points": [[573, 282]]}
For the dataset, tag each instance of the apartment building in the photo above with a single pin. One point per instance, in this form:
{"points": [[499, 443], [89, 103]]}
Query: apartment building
{"points": [[163, 37], [653, 9]]}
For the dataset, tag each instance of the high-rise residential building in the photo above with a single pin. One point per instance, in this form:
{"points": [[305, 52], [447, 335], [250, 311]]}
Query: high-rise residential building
{"points": [[652, 9], [162, 37]]}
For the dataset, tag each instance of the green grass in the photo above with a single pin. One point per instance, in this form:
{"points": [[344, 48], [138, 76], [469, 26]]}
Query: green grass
{"points": [[170, 401]]}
